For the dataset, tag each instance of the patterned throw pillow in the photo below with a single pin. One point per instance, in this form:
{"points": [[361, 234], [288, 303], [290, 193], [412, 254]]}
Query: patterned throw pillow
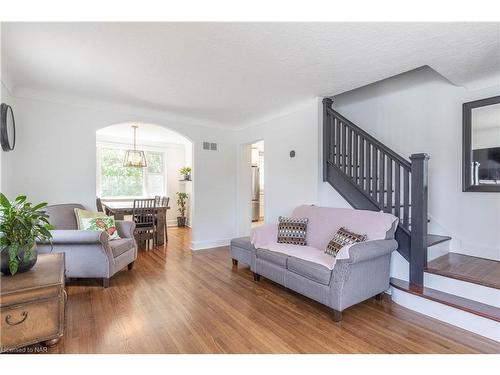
{"points": [[103, 223], [292, 230], [342, 238], [85, 214]]}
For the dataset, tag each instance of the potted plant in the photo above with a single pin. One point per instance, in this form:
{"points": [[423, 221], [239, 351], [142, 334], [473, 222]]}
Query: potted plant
{"points": [[181, 207], [186, 173], [22, 224]]}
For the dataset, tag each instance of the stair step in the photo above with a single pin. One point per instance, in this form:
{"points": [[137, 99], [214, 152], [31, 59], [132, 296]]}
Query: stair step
{"points": [[464, 304], [434, 239], [485, 272]]}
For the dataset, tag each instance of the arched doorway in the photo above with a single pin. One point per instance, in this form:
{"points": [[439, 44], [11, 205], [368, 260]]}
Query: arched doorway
{"points": [[166, 153]]}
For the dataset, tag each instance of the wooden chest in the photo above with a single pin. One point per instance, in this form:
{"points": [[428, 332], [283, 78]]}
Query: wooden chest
{"points": [[32, 304]]}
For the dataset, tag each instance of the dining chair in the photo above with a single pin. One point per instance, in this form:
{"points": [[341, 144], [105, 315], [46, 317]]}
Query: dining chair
{"points": [[164, 203], [144, 216], [100, 207], [98, 204]]}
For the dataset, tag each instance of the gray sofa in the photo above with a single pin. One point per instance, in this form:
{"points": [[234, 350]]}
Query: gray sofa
{"points": [[89, 254], [360, 272]]}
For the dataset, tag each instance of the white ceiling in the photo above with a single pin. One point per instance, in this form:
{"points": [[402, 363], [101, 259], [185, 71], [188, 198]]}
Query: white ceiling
{"points": [[146, 134], [237, 73]]}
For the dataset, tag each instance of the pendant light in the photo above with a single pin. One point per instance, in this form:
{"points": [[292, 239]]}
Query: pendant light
{"points": [[135, 158]]}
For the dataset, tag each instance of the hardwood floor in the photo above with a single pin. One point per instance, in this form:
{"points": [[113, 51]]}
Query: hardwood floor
{"points": [[467, 268], [179, 301]]}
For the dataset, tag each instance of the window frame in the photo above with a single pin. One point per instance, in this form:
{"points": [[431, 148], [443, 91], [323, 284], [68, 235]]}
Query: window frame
{"points": [[100, 145]]}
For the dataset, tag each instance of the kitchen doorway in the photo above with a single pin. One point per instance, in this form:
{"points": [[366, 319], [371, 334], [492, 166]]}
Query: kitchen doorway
{"points": [[257, 183]]}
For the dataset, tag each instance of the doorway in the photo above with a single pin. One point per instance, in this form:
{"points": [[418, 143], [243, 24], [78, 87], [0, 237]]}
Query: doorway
{"points": [[165, 174], [257, 183]]}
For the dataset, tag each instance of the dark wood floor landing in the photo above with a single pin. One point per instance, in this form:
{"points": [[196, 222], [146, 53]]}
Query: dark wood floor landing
{"points": [[480, 271]]}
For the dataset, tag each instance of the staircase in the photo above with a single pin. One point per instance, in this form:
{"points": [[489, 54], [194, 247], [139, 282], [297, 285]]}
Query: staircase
{"points": [[371, 176]]}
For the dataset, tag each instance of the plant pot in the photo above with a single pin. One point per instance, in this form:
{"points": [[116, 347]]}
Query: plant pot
{"points": [[23, 265], [181, 221], [187, 177]]}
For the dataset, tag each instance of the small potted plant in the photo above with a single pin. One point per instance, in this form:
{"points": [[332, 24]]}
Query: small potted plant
{"points": [[22, 224], [181, 207], [186, 173]]}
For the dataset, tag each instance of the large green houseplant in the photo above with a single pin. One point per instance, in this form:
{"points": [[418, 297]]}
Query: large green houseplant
{"points": [[22, 224]]}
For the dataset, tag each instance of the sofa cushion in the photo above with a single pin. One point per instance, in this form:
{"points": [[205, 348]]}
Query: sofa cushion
{"points": [[308, 253], [272, 257], [120, 246], [292, 230], [342, 238], [312, 271]]}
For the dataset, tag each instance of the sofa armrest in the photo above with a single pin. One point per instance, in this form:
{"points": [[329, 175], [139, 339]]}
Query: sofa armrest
{"points": [[78, 236], [367, 250], [264, 234], [125, 228]]}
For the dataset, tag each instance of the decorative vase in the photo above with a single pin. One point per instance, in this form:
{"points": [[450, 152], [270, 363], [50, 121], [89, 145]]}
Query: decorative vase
{"points": [[181, 221], [23, 265]]}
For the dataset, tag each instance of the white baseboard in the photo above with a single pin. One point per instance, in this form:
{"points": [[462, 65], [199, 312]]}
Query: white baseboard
{"points": [[475, 292], [470, 322], [200, 245]]}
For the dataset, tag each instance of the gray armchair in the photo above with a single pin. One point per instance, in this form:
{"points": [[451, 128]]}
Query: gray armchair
{"points": [[89, 254]]}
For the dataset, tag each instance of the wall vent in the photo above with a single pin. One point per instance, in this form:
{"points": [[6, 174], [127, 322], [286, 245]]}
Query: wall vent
{"points": [[210, 146]]}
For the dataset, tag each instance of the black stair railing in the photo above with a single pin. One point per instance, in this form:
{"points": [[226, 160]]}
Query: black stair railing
{"points": [[388, 181]]}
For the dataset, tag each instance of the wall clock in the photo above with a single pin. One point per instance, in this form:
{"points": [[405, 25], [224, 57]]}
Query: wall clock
{"points": [[7, 128]]}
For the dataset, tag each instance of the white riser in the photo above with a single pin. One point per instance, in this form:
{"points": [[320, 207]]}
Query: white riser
{"points": [[479, 293], [470, 322], [438, 250]]}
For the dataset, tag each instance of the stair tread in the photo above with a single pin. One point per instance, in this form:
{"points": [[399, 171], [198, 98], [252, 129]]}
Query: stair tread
{"points": [[434, 239], [464, 304], [475, 270]]}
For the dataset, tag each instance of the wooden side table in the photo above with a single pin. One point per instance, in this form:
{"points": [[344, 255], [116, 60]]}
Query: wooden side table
{"points": [[32, 304]]}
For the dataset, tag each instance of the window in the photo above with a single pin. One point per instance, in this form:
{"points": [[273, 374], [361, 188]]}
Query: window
{"points": [[155, 178], [115, 181]]}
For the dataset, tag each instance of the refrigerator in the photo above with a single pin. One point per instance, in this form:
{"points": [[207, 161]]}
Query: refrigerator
{"points": [[255, 193]]}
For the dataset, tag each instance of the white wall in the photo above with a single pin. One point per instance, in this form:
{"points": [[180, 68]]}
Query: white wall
{"points": [[55, 160], [420, 111], [289, 181]]}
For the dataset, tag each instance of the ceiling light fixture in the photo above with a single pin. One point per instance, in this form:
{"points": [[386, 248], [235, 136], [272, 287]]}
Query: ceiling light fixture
{"points": [[135, 158]]}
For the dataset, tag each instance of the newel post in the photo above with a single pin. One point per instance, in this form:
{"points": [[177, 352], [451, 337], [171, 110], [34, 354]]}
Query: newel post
{"points": [[419, 194], [327, 104]]}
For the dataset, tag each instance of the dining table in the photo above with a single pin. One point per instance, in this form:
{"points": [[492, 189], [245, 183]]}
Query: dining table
{"points": [[120, 209]]}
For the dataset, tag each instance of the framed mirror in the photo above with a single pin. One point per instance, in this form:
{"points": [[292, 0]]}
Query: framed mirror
{"points": [[7, 128], [481, 145]]}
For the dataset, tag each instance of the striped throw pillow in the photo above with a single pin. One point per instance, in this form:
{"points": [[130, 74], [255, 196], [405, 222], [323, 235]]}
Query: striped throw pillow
{"points": [[342, 238], [292, 230]]}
